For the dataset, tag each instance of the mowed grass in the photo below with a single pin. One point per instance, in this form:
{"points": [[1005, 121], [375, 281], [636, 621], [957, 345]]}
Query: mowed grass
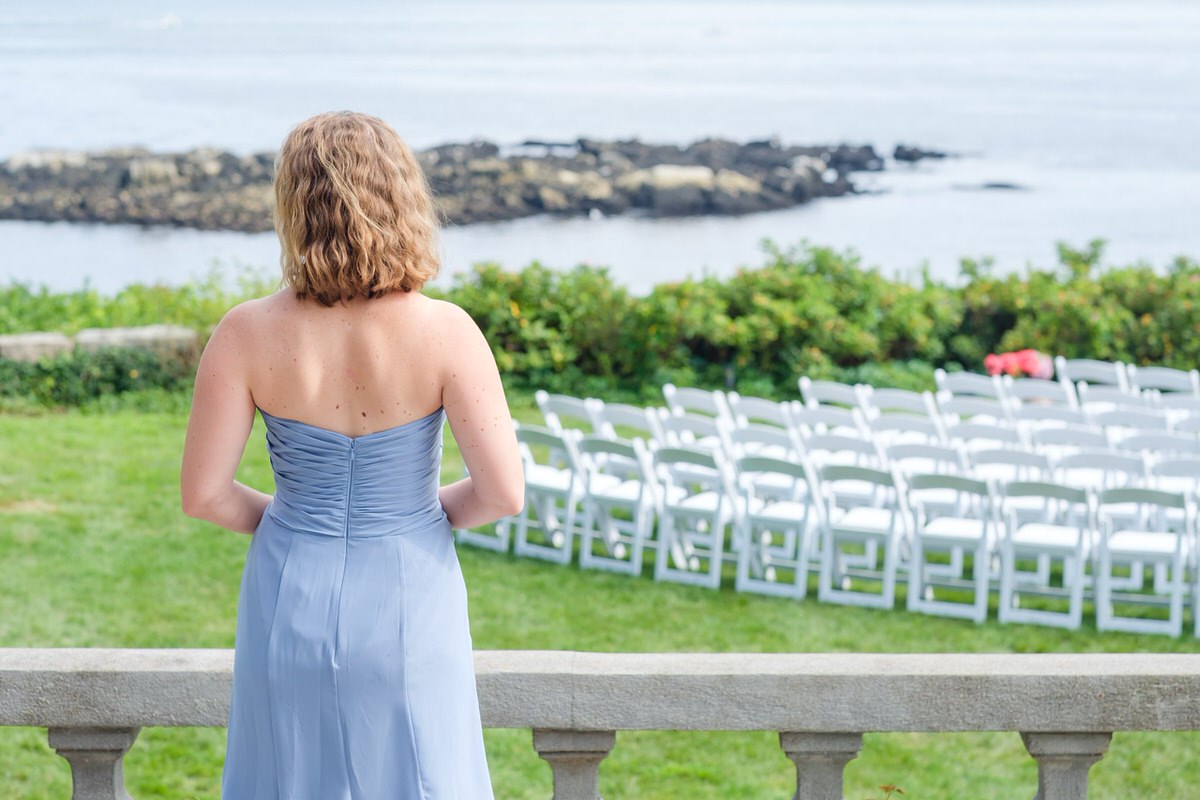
{"points": [[94, 552]]}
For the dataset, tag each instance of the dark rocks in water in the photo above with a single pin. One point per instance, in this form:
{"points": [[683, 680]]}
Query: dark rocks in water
{"points": [[473, 181], [913, 154]]}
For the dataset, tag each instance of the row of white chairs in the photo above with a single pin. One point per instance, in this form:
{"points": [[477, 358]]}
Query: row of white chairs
{"points": [[778, 518]]}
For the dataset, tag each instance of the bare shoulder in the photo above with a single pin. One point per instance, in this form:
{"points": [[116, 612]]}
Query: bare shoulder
{"points": [[243, 326]]}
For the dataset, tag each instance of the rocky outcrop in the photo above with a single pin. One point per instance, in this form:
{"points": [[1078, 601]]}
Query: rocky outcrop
{"points": [[474, 182]]}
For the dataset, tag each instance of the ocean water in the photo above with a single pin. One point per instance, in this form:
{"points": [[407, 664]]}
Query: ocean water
{"points": [[1091, 108]]}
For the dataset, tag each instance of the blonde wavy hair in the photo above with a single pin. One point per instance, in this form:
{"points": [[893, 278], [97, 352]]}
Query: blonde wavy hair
{"points": [[353, 210]]}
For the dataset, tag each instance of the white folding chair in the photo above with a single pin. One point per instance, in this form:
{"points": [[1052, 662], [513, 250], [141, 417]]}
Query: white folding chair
{"points": [[693, 430], [852, 538], [1064, 534], [1124, 421], [776, 530], [1159, 445], [1031, 417], [545, 528], [698, 504], [563, 412], [1168, 382], [892, 429], [1097, 470], [1056, 443], [967, 529], [1099, 398], [886, 402], [619, 504], [1150, 539]]}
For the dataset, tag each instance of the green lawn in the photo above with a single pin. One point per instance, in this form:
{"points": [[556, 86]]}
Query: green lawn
{"points": [[95, 552]]}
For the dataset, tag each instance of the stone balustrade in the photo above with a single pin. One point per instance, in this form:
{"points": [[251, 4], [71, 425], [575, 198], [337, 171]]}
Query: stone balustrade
{"points": [[1066, 707]]}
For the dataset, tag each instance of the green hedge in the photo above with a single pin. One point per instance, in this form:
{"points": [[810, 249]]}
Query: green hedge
{"points": [[807, 311]]}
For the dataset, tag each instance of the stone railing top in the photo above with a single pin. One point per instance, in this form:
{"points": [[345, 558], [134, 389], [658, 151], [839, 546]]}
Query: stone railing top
{"points": [[846, 692]]}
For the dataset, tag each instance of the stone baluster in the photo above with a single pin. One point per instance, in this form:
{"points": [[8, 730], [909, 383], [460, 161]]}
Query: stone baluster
{"points": [[820, 760], [1064, 760], [574, 758], [95, 756]]}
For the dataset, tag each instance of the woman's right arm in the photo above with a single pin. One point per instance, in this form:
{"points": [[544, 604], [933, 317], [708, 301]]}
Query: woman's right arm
{"points": [[473, 397]]}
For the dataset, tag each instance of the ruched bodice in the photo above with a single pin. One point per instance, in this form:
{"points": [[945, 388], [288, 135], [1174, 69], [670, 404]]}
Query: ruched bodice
{"points": [[381, 484], [353, 676]]}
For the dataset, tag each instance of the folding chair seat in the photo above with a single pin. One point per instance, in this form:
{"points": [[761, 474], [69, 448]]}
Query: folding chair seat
{"points": [[623, 421], [1064, 534], [554, 490], [701, 402], [1150, 539], [777, 529], [968, 528], [563, 412], [829, 393], [698, 504], [882, 526], [619, 504]]}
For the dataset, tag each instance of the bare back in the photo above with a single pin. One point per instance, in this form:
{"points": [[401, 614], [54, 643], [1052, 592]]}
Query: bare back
{"points": [[356, 368]]}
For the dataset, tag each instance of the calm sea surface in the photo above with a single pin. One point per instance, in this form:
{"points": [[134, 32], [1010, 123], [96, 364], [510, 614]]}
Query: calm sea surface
{"points": [[1092, 108]]}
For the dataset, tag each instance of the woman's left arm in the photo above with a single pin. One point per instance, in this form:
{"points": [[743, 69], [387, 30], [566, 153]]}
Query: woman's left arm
{"points": [[218, 427]]}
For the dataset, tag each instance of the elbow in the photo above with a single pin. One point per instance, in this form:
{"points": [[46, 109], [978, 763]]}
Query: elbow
{"points": [[195, 504], [510, 499]]}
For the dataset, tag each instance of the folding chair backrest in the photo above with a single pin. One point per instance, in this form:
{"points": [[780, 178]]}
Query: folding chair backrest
{"points": [[563, 411], [820, 393], [692, 469], [1046, 489], [1176, 468], [1064, 437], [844, 472], [955, 483], [887, 402], [750, 410], [752, 439], [1033, 415], [822, 447], [1160, 443], [1118, 468], [956, 407], [1164, 379], [905, 427], [1131, 418], [911, 458], [1189, 425], [1006, 464], [1141, 496], [1104, 397], [695, 401], [977, 434], [759, 464], [828, 419], [1091, 371], [559, 447], [972, 384], [689, 429], [619, 420], [1039, 392]]}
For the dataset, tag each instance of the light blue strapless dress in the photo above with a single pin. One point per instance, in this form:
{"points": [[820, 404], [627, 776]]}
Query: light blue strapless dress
{"points": [[353, 676]]}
